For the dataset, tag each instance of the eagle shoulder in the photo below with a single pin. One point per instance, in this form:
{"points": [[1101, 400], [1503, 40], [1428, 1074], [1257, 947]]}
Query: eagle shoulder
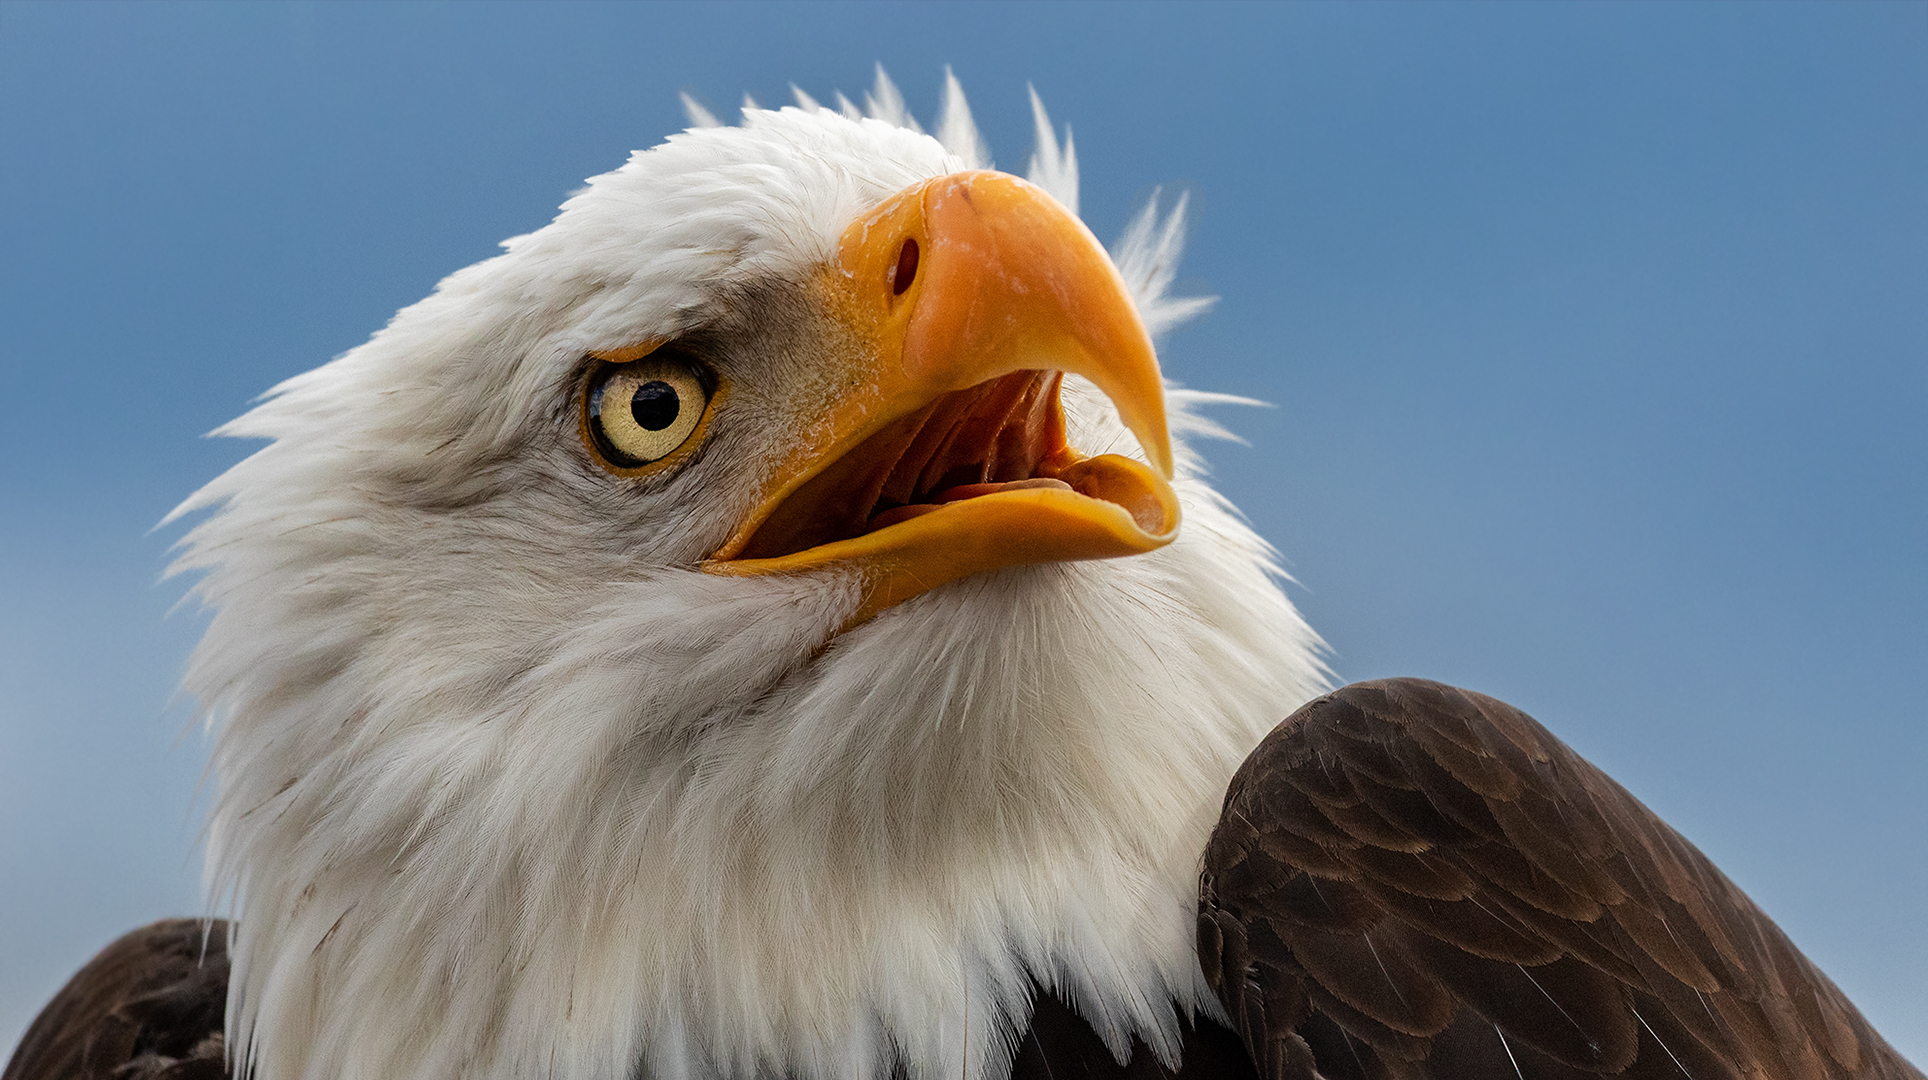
{"points": [[1411, 880], [147, 1007]]}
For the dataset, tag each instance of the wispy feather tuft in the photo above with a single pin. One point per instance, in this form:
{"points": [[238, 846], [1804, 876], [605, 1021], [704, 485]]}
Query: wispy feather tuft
{"points": [[804, 101], [1186, 419], [699, 117], [886, 103], [955, 128], [1147, 257], [1052, 169]]}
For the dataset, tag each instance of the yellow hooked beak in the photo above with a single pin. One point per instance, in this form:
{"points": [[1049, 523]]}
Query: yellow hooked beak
{"points": [[964, 300]]}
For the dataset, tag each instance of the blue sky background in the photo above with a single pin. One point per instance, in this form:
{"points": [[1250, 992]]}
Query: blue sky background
{"points": [[1598, 337]]}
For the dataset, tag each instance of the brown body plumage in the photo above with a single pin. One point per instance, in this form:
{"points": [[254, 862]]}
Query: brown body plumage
{"points": [[149, 1007], [1412, 880]]}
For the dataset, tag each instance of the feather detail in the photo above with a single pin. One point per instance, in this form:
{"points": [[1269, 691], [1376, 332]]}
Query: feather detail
{"points": [[1186, 419], [699, 116], [955, 128], [1147, 256], [885, 102], [1053, 169], [804, 101]]}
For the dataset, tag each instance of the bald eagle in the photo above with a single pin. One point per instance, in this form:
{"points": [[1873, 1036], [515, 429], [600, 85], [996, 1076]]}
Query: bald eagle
{"points": [[768, 623]]}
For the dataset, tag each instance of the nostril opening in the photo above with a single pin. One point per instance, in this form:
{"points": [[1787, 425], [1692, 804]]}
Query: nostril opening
{"points": [[905, 271]]}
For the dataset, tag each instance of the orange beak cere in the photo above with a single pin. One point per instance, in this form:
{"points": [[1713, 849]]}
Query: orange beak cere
{"points": [[964, 300]]}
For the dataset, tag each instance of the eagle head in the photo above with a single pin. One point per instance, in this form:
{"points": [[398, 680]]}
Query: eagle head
{"points": [[744, 628]]}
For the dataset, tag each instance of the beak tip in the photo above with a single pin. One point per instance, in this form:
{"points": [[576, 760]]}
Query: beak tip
{"points": [[1157, 444]]}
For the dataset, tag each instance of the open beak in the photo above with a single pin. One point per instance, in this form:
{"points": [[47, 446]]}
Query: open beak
{"points": [[963, 301]]}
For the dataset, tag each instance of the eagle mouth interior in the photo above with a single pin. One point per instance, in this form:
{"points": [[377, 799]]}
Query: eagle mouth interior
{"points": [[1005, 434]]}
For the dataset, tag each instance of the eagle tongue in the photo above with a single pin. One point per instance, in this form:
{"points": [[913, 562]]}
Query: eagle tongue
{"points": [[972, 491], [958, 494]]}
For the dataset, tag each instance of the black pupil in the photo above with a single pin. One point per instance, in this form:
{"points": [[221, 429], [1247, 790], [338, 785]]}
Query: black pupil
{"points": [[655, 405]]}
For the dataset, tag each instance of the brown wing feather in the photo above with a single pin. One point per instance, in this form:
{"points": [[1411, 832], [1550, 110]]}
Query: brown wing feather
{"points": [[1418, 882], [148, 1007]]}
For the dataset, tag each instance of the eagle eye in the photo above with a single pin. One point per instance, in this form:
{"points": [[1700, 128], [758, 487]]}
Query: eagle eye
{"points": [[642, 412]]}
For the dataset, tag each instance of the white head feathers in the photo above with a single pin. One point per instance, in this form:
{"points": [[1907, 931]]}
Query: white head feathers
{"points": [[507, 789]]}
